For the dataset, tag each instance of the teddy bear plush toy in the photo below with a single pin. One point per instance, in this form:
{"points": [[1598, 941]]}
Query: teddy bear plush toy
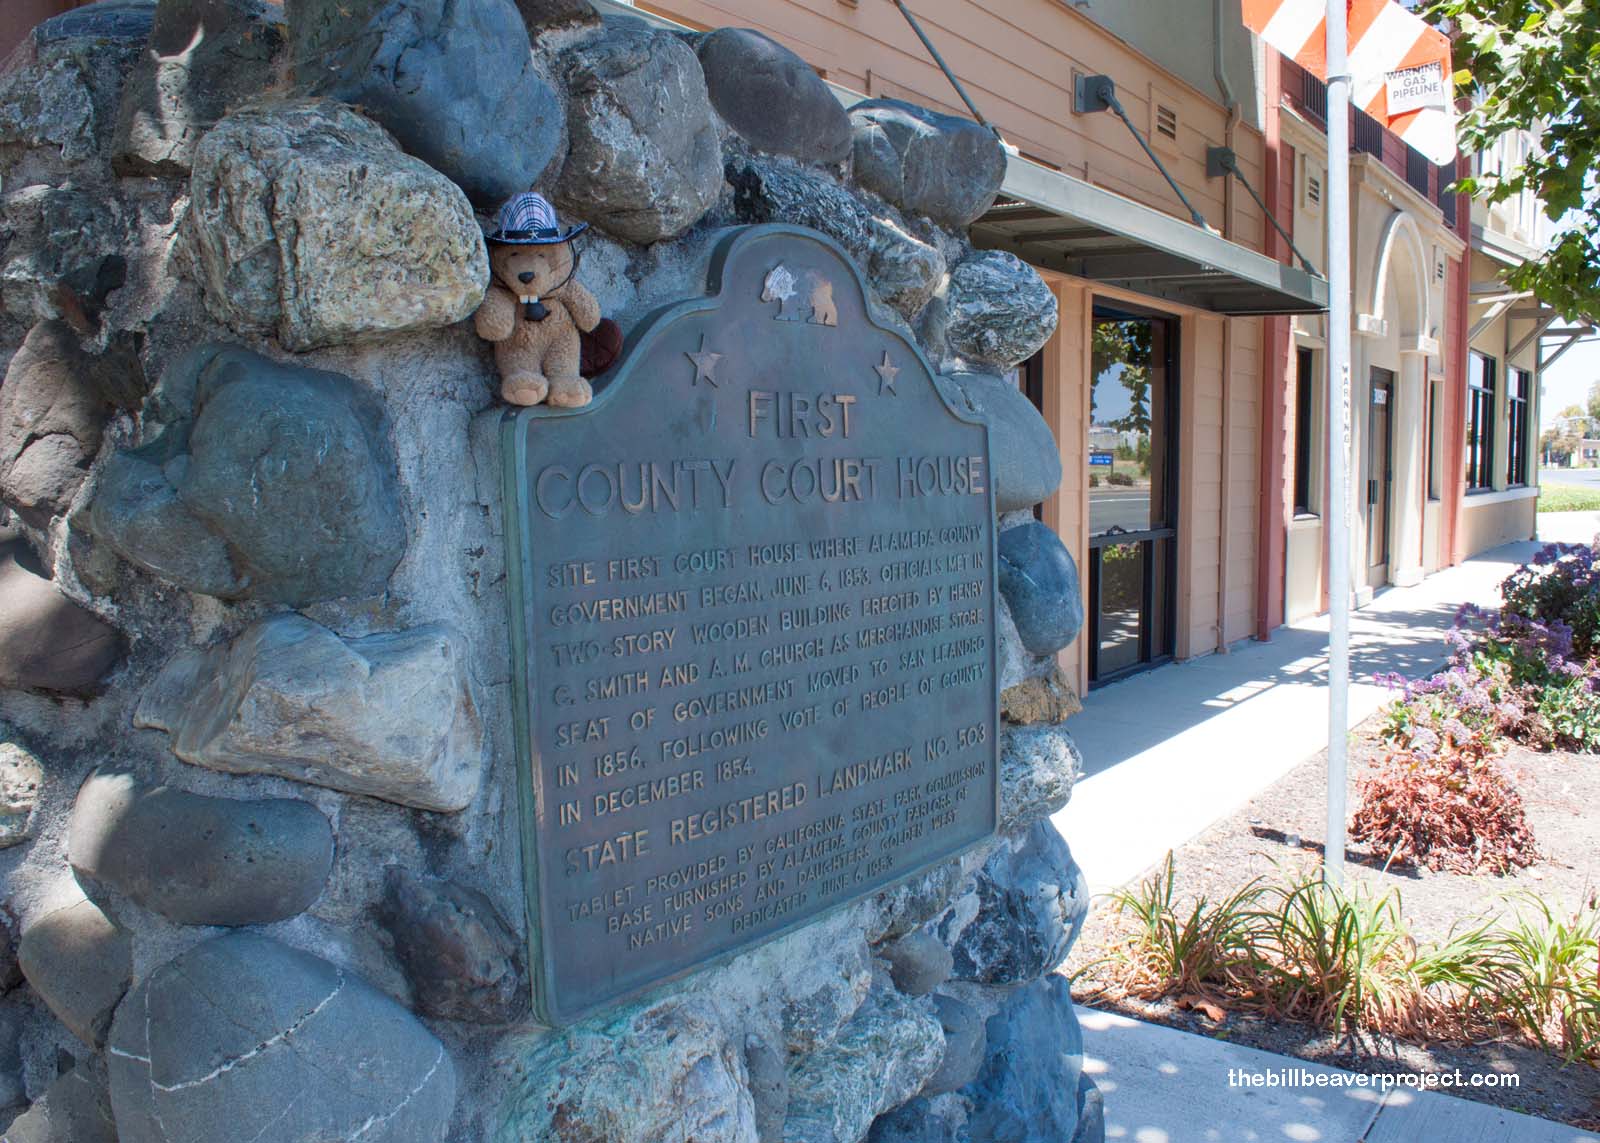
{"points": [[535, 308]]}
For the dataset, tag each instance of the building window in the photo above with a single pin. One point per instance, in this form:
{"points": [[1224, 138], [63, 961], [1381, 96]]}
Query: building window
{"points": [[1480, 421], [1304, 429], [1435, 391], [1518, 396]]}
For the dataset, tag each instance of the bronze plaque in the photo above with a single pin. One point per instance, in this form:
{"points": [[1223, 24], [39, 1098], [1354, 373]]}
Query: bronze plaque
{"points": [[753, 590]]}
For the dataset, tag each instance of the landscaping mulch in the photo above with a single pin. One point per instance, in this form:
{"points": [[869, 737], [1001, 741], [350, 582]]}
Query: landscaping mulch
{"points": [[1286, 823]]}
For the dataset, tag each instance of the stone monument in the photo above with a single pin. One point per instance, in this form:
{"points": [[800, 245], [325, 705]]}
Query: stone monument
{"points": [[381, 764]]}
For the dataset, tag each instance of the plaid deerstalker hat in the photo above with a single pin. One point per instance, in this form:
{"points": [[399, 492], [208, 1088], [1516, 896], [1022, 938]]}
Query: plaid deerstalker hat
{"points": [[528, 219]]}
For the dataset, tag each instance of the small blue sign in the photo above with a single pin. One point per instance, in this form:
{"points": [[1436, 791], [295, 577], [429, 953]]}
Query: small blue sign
{"points": [[1100, 458]]}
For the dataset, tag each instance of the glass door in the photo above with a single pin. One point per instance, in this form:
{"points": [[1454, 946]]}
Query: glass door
{"points": [[1380, 475], [1132, 454]]}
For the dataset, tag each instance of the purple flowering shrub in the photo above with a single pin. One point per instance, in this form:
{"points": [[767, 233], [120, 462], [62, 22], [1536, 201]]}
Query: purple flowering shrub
{"points": [[1530, 672]]}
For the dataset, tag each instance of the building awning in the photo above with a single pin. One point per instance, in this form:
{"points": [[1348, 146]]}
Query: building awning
{"points": [[1057, 222]]}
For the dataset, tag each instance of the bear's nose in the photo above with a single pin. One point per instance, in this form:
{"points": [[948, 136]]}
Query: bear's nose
{"points": [[525, 277]]}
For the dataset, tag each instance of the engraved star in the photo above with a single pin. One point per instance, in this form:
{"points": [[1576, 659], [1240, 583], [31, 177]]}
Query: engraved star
{"points": [[705, 364], [886, 375]]}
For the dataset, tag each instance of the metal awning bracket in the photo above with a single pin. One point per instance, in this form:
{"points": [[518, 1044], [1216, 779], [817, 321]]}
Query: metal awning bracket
{"points": [[1092, 93], [1222, 162]]}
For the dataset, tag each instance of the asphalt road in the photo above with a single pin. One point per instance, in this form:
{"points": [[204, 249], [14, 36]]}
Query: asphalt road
{"points": [[1589, 477], [1127, 508]]}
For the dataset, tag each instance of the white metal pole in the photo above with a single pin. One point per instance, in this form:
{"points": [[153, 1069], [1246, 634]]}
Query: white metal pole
{"points": [[1338, 420]]}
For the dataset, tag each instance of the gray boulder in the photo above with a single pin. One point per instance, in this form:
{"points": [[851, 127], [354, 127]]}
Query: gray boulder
{"points": [[772, 97], [275, 482], [918, 963], [994, 311], [200, 860], [645, 160], [391, 715], [663, 1070], [542, 15], [52, 414], [1017, 664], [455, 82], [80, 964], [1021, 914], [1024, 459], [60, 96], [21, 781], [243, 1038], [1029, 1087], [1038, 765], [458, 954], [47, 641], [902, 270], [203, 57], [311, 224], [880, 1059], [1039, 580], [965, 1045], [922, 1120], [63, 249], [947, 168], [75, 1108], [768, 1080]]}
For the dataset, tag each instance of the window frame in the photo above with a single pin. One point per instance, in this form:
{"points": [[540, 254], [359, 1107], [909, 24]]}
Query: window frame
{"points": [[1303, 480], [1480, 422], [1519, 399]]}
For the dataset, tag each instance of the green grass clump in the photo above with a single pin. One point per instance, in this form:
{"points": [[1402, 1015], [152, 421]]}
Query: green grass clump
{"points": [[1568, 498]]}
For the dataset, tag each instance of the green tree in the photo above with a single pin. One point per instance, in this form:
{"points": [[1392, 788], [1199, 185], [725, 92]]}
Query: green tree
{"points": [[1532, 65], [1594, 405]]}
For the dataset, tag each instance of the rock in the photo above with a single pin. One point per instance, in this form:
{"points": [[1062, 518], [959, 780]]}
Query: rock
{"points": [[60, 94], [769, 1086], [278, 484], [80, 964], [459, 956], [75, 1108], [903, 271], [48, 642], [921, 1121], [663, 1070], [310, 223], [645, 161], [901, 908], [994, 312], [1022, 913], [1047, 698], [1016, 663], [389, 715], [10, 968], [52, 414], [203, 57], [947, 168], [1025, 461], [301, 1051], [880, 1059], [918, 963], [13, 1086], [21, 779], [456, 84], [1040, 583], [772, 97], [1038, 765], [1091, 1112], [965, 1044], [64, 251], [542, 15], [1028, 1088], [820, 997], [200, 860]]}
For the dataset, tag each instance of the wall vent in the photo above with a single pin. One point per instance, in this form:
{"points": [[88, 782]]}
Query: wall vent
{"points": [[1311, 188], [1166, 121]]}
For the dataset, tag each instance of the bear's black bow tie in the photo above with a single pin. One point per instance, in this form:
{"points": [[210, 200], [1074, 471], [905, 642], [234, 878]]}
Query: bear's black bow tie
{"points": [[535, 311]]}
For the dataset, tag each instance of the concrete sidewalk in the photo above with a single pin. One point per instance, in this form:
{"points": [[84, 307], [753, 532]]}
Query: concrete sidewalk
{"points": [[1166, 1086], [1169, 752]]}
